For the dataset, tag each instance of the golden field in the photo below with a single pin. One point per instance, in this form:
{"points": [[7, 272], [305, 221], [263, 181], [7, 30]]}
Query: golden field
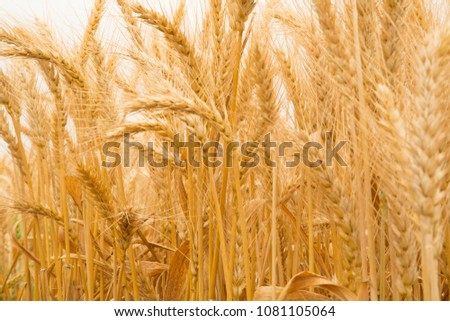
{"points": [[371, 74]]}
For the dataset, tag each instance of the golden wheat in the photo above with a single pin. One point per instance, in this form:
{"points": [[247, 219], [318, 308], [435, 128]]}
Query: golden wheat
{"points": [[373, 74]]}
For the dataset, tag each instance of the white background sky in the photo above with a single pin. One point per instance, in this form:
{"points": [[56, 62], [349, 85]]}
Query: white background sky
{"points": [[66, 15], [69, 17]]}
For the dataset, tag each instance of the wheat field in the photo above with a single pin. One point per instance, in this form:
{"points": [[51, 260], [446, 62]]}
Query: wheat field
{"points": [[373, 75]]}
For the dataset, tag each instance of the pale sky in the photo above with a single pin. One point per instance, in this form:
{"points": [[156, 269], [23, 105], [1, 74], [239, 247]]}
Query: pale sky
{"points": [[69, 17], [63, 14]]}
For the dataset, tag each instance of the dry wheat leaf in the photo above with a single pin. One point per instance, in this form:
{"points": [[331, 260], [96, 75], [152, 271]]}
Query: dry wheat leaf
{"points": [[178, 268], [73, 188], [265, 293], [151, 269], [305, 280], [303, 295]]}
